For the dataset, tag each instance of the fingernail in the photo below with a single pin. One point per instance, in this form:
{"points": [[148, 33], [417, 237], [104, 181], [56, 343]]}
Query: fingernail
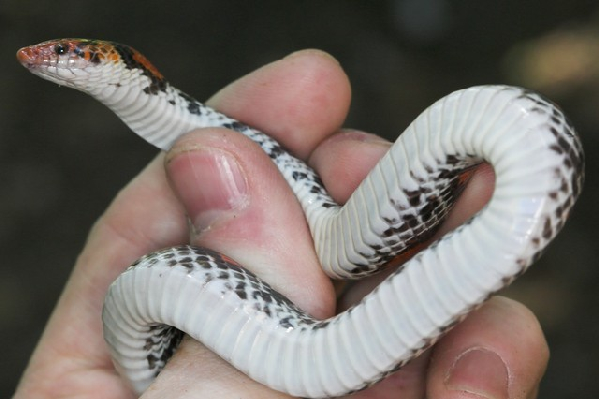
{"points": [[364, 137], [210, 184], [480, 372]]}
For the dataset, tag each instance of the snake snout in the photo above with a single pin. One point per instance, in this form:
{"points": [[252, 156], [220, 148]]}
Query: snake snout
{"points": [[26, 56]]}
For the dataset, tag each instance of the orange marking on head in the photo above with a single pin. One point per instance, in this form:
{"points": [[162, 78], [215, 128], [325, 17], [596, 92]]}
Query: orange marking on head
{"points": [[139, 57], [112, 56]]}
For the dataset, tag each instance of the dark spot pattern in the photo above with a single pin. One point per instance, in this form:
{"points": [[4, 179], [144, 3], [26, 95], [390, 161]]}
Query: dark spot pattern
{"points": [[161, 344], [419, 210], [420, 201]]}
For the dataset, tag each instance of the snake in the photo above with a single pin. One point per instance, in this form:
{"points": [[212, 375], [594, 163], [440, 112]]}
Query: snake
{"points": [[535, 152]]}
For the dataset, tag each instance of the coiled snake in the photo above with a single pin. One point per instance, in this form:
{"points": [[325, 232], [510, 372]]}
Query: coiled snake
{"points": [[539, 166]]}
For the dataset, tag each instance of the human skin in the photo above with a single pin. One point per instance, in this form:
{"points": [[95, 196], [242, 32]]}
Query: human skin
{"points": [[239, 204]]}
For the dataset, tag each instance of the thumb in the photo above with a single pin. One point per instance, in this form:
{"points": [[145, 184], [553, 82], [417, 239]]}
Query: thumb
{"points": [[238, 204]]}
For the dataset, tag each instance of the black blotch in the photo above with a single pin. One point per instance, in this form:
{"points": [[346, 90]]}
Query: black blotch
{"points": [[452, 159], [221, 265], [235, 125], [563, 143], [322, 324], [389, 232], [260, 294], [205, 265], [238, 275], [415, 198], [402, 228], [564, 187], [547, 229], [240, 290], [187, 265], [267, 311], [429, 208], [183, 250], [202, 258], [275, 152], [151, 361], [126, 53], [389, 220], [223, 275], [94, 57], [195, 108], [559, 211], [296, 175], [556, 148], [285, 322], [356, 270]]}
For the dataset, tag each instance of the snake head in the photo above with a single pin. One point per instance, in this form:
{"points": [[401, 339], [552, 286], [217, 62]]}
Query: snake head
{"points": [[93, 66], [67, 62]]}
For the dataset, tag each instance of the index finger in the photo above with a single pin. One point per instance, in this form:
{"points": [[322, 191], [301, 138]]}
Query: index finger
{"points": [[298, 100]]}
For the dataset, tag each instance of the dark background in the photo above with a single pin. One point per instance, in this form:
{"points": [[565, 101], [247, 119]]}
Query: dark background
{"points": [[63, 156]]}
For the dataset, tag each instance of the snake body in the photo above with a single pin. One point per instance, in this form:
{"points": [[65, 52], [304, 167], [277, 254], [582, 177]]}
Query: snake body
{"points": [[539, 167]]}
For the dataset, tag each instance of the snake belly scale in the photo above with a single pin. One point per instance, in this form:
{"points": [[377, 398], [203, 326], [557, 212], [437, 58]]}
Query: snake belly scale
{"points": [[539, 166]]}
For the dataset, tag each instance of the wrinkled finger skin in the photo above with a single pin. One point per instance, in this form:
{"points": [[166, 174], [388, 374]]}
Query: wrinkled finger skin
{"points": [[302, 101]]}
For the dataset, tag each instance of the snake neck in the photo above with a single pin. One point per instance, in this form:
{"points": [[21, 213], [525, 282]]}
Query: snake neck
{"points": [[161, 113]]}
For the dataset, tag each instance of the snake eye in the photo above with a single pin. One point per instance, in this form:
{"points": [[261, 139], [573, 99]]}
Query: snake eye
{"points": [[60, 49]]}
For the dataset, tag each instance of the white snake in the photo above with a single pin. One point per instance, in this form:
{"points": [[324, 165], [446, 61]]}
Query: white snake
{"points": [[539, 166]]}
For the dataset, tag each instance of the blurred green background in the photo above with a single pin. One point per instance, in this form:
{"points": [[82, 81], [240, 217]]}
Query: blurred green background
{"points": [[63, 156]]}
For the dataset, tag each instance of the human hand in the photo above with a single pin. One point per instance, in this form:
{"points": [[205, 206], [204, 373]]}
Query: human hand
{"points": [[255, 219]]}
